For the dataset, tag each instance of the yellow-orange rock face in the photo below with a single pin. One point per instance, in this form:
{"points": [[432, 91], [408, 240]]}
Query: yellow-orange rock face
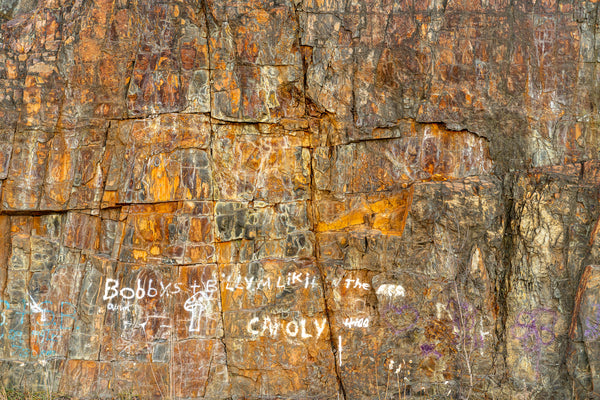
{"points": [[308, 199]]}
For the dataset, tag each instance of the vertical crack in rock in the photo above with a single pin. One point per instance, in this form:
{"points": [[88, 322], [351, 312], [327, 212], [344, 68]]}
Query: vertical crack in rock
{"points": [[334, 349], [209, 35], [101, 161], [504, 277]]}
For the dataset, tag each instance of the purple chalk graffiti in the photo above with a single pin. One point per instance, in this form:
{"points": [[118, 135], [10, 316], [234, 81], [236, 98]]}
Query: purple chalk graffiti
{"points": [[592, 325], [535, 330], [464, 320], [407, 313], [429, 349]]}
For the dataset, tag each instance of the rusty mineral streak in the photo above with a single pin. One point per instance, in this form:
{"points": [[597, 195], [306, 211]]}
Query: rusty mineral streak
{"points": [[583, 281]]}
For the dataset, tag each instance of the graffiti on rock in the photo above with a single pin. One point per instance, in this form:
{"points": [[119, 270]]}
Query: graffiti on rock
{"points": [[534, 330], [401, 319], [49, 325], [591, 324], [291, 329]]}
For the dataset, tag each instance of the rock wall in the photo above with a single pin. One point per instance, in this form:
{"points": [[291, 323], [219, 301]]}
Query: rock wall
{"points": [[300, 199]]}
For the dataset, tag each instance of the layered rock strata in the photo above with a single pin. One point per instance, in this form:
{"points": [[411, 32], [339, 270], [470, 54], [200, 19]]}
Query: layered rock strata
{"points": [[307, 199]]}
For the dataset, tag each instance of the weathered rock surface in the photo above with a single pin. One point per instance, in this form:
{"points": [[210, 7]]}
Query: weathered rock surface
{"points": [[300, 199]]}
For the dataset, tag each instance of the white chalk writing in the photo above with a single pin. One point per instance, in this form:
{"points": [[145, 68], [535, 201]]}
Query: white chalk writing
{"points": [[198, 304], [356, 322], [356, 284], [113, 289], [251, 283], [391, 290], [275, 327]]}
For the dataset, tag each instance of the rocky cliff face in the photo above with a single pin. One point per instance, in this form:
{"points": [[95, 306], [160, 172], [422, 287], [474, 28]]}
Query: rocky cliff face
{"points": [[359, 199]]}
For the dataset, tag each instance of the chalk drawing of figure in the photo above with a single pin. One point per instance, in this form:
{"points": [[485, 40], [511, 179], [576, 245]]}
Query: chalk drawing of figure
{"points": [[198, 305]]}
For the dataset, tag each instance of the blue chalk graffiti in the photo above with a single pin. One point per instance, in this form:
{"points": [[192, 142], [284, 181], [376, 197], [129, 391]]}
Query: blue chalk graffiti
{"points": [[47, 328]]}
